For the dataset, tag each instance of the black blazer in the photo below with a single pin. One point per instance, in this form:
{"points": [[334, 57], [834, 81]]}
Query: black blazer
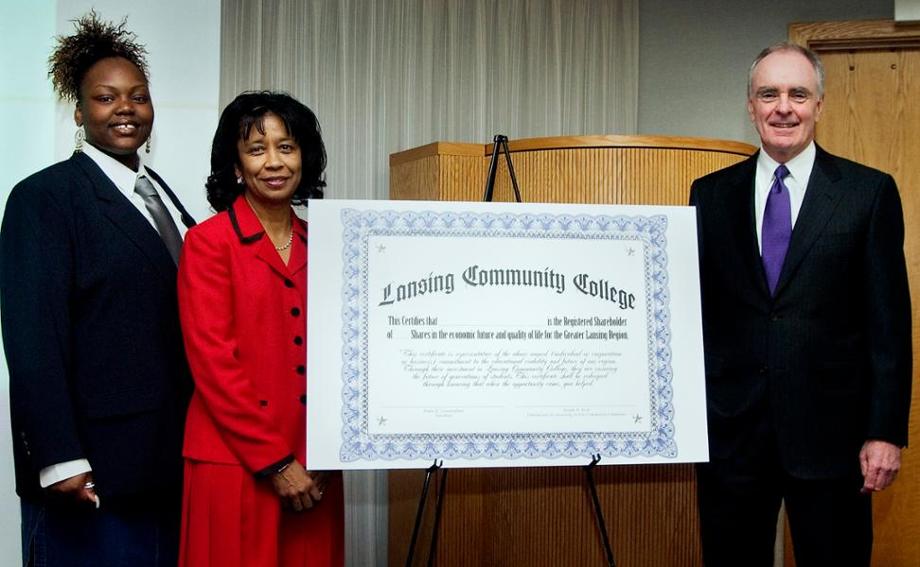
{"points": [[827, 360], [91, 334]]}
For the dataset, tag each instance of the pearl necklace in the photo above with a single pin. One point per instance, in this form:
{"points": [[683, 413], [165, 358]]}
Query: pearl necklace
{"points": [[287, 244]]}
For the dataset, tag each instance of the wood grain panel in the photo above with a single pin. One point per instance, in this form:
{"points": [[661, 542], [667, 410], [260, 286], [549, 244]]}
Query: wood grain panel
{"points": [[850, 127], [459, 175], [861, 34], [619, 141], [543, 516], [418, 179], [871, 115], [651, 176]]}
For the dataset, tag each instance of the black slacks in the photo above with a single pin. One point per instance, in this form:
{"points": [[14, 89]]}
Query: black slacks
{"points": [[829, 519]]}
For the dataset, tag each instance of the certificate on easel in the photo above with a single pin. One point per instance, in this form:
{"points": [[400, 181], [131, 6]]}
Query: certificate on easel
{"points": [[502, 334]]}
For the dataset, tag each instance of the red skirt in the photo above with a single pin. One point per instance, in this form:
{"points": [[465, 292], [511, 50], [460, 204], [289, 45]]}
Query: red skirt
{"points": [[231, 519]]}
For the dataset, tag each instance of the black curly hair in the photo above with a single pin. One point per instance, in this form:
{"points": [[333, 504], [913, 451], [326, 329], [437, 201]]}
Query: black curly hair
{"points": [[248, 110], [95, 40]]}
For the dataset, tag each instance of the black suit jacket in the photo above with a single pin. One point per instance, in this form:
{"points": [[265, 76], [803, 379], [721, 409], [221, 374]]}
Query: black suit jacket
{"points": [[826, 360], [91, 334]]}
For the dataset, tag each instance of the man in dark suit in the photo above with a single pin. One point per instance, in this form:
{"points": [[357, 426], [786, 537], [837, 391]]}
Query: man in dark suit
{"points": [[806, 316]]}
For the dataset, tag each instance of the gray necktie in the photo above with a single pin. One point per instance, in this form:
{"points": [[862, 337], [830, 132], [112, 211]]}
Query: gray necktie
{"points": [[163, 221]]}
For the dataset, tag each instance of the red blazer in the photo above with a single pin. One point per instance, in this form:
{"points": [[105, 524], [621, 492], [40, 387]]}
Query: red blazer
{"points": [[243, 315]]}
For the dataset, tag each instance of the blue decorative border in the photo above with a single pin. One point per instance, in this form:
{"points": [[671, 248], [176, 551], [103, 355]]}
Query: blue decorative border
{"points": [[359, 444]]}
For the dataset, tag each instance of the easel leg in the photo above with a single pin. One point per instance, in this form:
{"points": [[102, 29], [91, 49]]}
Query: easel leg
{"points": [[437, 518], [420, 512], [500, 145], [598, 511], [514, 183]]}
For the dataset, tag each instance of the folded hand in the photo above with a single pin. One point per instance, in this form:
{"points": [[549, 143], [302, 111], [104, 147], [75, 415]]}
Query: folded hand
{"points": [[880, 462], [296, 487]]}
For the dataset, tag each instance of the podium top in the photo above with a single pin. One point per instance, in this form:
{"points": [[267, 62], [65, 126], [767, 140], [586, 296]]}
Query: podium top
{"points": [[575, 142]]}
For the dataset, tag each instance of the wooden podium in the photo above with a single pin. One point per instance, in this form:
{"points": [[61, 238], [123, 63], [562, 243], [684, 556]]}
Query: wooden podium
{"points": [[650, 170], [543, 516]]}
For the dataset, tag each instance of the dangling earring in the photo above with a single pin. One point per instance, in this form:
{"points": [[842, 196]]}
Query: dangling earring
{"points": [[239, 180], [147, 144], [78, 138]]}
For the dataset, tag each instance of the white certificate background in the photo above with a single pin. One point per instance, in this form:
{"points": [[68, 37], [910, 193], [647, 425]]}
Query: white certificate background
{"points": [[407, 394], [403, 400]]}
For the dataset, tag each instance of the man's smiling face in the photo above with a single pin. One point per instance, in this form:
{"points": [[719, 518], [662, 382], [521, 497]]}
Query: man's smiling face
{"points": [[784, 103]]}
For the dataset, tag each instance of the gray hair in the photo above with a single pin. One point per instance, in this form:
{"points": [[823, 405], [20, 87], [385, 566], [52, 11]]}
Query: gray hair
{"points": [[794, 47]]}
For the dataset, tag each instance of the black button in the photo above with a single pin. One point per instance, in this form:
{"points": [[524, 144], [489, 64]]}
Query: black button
{"points": [[295, 311], [301, 369], [288, 283], [303, 399], [263, 403], [298, 341]]}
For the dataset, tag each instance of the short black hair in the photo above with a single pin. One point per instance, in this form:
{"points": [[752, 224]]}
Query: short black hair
{"points": [[95, 40], [248, 110]]}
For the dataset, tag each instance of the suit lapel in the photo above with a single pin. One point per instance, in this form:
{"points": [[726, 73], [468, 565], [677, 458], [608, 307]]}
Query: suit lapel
{"points": [[249, 230], [740, 219], [268, 254], [817, 207], [187, 219], [125, 216], [298, 259]]}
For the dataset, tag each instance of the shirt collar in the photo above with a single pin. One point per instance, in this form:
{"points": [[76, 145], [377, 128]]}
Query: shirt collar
{"points": [[799, 167], [122, 176]]}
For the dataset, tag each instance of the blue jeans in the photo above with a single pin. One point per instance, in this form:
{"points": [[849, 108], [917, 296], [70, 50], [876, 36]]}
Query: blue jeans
{"points": [[64, 534]]}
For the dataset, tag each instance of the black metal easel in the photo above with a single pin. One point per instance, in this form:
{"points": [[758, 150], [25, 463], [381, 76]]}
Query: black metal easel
{"points": [[501, 143], [598, 511], [420, 513]]}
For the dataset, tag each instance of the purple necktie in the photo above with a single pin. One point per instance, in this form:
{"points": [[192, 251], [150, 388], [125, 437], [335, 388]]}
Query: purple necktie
{"points": [[777, 228]]}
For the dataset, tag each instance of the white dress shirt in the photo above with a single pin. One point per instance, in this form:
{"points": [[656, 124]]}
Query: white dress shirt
{"points": [[796, 182], [124, 178]]}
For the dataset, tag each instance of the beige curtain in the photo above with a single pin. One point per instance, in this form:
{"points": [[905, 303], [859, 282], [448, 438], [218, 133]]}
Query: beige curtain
{"points": [[387, 75]]}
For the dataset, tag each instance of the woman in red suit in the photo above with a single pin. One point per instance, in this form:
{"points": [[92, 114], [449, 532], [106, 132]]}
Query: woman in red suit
{"points": [[248, 498]]}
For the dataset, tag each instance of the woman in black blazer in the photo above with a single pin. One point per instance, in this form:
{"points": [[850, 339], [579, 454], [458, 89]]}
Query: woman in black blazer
{"points": [[98, 378]]}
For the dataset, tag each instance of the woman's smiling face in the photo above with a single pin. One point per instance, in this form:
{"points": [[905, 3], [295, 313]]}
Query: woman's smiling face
{"points": [[269, 163], [115, 109]]}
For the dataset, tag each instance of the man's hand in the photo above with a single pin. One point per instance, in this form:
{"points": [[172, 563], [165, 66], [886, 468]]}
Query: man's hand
{"points": [[880, 462], [79, 488], [296, 487]]}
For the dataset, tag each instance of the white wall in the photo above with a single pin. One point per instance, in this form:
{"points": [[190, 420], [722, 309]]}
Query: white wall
{"points": [[183, 43], [183, 39], [694, 57], [26, 120]]}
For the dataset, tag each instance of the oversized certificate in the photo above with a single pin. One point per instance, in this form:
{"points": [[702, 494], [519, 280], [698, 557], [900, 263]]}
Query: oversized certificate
{"points": [[502, 334]]}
